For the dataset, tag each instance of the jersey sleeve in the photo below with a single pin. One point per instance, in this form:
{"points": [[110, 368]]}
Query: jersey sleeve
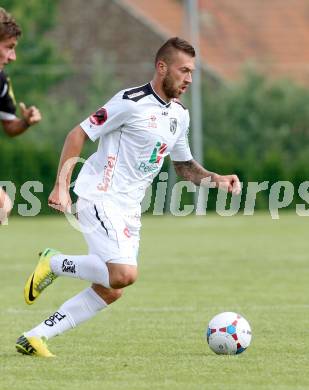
{"points": [[7, 101], [108, 118], [181, 150]]}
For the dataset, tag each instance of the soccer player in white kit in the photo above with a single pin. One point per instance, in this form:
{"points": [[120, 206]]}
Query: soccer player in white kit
{"points": [[136, 129]]}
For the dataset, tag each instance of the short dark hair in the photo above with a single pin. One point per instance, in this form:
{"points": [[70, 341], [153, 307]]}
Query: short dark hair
{"points": [[166, 51], [8, 26]]}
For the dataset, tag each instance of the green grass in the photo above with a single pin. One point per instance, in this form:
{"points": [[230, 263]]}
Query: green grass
{"points": [[153, 338]]}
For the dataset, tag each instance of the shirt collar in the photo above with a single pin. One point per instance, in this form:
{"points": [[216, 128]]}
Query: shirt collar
{"points": [[158, 97]]}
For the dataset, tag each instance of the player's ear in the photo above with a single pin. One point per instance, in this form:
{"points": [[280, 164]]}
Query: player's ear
{"points": [[161, 67]]}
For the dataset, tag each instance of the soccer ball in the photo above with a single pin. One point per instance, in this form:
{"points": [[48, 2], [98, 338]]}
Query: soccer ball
{"points": [[228, 334]]}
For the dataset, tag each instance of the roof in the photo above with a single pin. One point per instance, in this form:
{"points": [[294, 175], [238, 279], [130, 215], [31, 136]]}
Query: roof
{"points": [[273, 35]]}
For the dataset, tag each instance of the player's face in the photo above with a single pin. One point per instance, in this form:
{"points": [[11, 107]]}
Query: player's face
{"points": [[178, 75], [7, 51]]}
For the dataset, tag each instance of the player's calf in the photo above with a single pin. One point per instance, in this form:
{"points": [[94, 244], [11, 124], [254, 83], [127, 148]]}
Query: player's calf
{"points": [[109, 295]]}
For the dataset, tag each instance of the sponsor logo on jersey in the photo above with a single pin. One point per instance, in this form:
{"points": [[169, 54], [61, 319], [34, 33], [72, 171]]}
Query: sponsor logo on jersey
{"points": [[173, 125], [152, 122], [136, 94], [157, 152], [99, 117], [146, 167], [156, 156], [108, 173], [126, 232]]}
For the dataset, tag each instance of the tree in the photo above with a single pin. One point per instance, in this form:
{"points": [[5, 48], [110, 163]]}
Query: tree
{"points": [[39, 65]]}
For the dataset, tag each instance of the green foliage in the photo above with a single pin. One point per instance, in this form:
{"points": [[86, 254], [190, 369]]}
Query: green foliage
{"points": [[38, 65], [61, 113], [25, 162], [257, 117], [35, 154], [258, 129]]}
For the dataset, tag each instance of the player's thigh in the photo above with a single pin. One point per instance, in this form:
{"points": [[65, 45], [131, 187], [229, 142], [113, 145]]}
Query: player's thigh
{"points": [[108, 233]]}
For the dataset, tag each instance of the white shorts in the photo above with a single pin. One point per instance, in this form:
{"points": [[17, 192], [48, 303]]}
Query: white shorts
{"points": [[110, 231]]}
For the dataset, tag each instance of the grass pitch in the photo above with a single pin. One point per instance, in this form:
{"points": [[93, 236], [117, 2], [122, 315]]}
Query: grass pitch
{"points": [[153, 338]]}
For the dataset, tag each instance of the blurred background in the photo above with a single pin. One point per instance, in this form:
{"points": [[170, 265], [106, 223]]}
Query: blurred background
{"points": [[250, 110]]}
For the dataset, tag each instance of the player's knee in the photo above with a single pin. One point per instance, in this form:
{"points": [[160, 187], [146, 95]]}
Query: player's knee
{"points": [[122, 280], [123, 276]]}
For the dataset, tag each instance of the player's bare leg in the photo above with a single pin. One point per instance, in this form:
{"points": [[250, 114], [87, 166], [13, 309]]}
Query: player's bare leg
{"points": [[109, 295], [5, 206], [121, 275]]}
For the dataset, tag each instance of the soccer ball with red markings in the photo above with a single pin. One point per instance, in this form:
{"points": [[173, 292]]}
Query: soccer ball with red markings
{"points": [[228, 333]]}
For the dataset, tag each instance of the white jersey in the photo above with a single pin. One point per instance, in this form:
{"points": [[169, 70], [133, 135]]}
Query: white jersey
{"points": [[136, 130]]}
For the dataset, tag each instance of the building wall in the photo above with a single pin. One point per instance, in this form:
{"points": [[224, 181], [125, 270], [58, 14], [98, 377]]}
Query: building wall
{"points": [[104, 33]]}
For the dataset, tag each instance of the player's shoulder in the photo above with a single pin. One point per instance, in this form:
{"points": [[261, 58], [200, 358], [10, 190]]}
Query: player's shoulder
{"points": [[136, 94], [179, 105], [181, 110], [3, 76], [3, 83]]}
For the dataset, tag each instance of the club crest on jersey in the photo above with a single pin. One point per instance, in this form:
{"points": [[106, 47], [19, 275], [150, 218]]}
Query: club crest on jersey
{"points": [[99, 117], [173, 125]]}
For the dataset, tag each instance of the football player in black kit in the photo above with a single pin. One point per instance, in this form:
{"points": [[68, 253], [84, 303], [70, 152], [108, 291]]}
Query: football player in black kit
{"points": [[12, 125]]}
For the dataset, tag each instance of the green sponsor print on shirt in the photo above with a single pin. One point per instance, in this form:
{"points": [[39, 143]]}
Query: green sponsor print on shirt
{"points": [[157, 152], [152, 164]]}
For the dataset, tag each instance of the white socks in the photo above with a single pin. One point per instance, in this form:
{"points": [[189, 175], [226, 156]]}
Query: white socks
{"points": [[82, 306], [76, 310], [89, 267]]}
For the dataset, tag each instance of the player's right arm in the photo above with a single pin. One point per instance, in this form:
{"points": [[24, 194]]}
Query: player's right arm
{"points": [[60, 196], [105, 120]]}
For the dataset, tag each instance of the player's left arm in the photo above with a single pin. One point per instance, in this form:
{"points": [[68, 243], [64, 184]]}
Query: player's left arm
{"points": [[191, 170], [30, 116]]}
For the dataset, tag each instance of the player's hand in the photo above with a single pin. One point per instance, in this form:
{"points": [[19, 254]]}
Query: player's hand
{"points": [[228, 183], [30, 114], [60, 199]]}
